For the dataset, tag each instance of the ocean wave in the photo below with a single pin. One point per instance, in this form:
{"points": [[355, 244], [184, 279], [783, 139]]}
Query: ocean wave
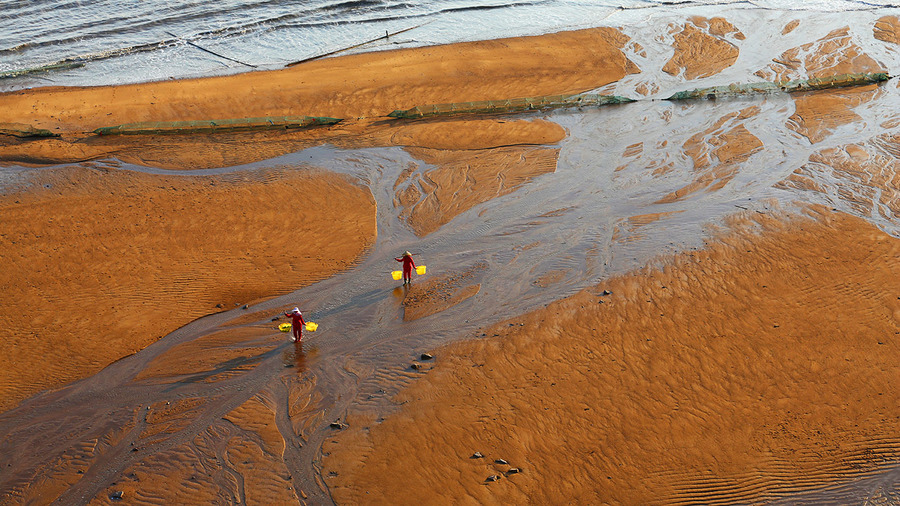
{"points": [[45, 37]]}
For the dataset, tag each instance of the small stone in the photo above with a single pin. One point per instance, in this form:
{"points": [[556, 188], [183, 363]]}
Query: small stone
{"points": [[246, 306], [416, 366], [220, 306], [117, 495], [338, 425], [606, 292], [477, 455], [427, 356], [502, 462], [513, 470], [275, 318], [493, 477]]}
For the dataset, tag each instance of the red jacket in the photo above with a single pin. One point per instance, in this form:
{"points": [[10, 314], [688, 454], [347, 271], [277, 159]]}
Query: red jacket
{"points": [[408, 263], [296, 319]]}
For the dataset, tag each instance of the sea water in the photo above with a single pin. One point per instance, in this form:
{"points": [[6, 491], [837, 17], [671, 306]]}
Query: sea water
{"points": [[79, 42]]}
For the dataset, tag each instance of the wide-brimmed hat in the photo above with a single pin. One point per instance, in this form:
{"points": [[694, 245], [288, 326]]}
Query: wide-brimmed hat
{"points": [[407, 254], [296, 310]]}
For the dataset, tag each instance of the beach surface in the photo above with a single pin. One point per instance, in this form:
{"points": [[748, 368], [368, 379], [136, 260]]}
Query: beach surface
{"points": [[762, 364], [655, 302], [122, 259]]}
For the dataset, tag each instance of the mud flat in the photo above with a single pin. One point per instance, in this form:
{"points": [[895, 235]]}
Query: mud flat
{"points": [[361, 89], [758, 366], [101, 262]]}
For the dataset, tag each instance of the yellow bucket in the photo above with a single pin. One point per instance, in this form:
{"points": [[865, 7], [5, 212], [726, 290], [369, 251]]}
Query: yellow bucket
{"points": [[310, 326], [284, 327], [397, 275], [420, 270]]}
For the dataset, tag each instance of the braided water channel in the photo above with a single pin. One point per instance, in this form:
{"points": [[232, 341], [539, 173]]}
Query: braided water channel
{"points": [[227, 409]]}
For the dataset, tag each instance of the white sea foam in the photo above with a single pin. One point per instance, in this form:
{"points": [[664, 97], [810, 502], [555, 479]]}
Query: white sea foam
{"points": [[109, 42]]}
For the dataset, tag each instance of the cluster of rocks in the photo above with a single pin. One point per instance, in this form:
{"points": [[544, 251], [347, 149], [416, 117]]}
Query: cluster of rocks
{"points": [[499, 462], [417, 366]]}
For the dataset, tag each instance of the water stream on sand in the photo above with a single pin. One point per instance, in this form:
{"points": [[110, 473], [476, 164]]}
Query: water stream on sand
{"points": [[227, 406], [180, 407]]}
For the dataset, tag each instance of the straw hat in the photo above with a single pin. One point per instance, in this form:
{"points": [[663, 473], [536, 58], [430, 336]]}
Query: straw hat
{"points": [[407, 254]]}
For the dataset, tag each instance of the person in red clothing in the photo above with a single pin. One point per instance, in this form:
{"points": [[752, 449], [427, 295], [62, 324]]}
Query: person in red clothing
{"points": [[408, 266], [297, 323]]}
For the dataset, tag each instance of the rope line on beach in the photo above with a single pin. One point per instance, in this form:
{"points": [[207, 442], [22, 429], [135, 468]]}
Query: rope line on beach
{"points": [[507, 106], [219, 125], [510, 105], [586, 99]]}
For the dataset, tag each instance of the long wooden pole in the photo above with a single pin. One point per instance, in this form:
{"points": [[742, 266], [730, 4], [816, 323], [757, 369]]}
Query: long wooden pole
{"points": [[385, 36]]}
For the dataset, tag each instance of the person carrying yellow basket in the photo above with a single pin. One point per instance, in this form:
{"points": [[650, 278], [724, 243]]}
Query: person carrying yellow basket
{"points": [[408, 266], [296, 323]]}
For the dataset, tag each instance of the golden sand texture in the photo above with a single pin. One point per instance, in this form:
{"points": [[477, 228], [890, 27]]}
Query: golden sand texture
{"points": [[99, 263], [205, 358], [464, 179], [790, 27], [702, 48], [461, 134], [363, 85], [631, 228], [760, 365], [868, 175], [226, 150], [440, 293], [818, 114], [834, 54], [718, 153], [476, 160], [238, 458], [887, 29]]}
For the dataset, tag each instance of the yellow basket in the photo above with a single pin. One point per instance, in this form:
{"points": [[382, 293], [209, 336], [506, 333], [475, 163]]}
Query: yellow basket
{"points": [[284, 327], [420, 270], [310, 326], [397, 275]]}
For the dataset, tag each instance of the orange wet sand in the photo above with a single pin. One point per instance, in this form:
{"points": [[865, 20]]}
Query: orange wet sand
{"points": [[464, 179], [362, 89], [100, 263], [727, 142], [701, 48], [763, 364]]}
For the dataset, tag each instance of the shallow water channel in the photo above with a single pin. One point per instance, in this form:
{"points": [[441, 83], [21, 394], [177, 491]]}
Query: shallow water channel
{"points": [[167, 420]]}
